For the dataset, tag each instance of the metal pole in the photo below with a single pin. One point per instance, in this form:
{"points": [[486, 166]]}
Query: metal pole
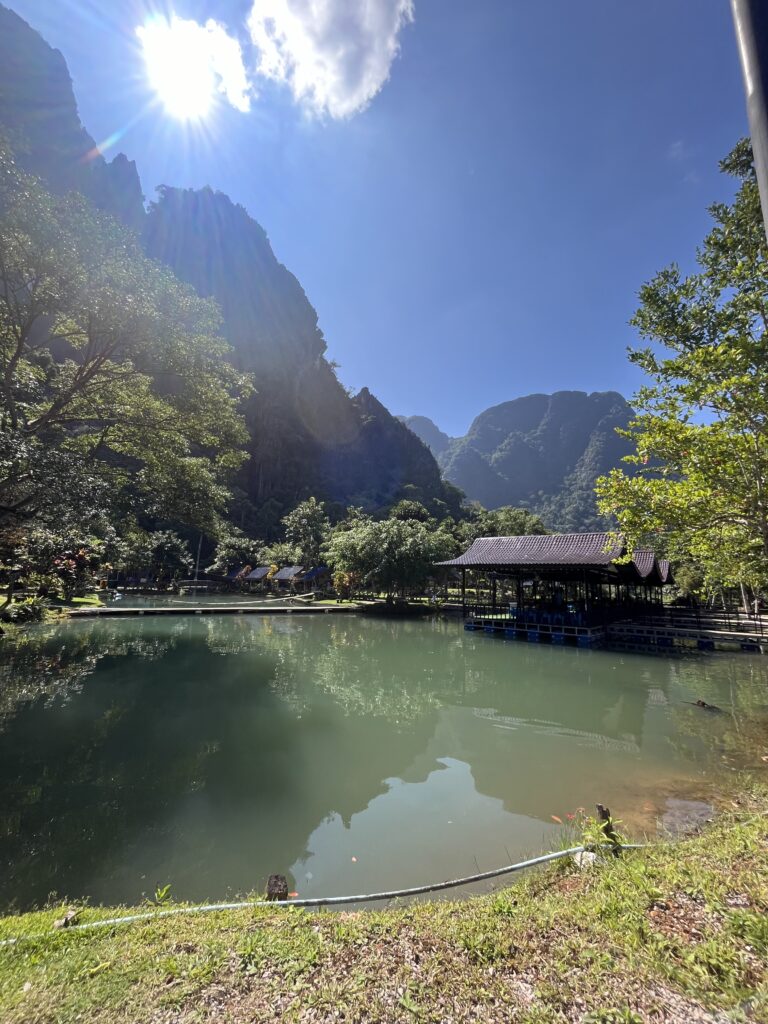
{"points": [[197, 563], [751, 20]]}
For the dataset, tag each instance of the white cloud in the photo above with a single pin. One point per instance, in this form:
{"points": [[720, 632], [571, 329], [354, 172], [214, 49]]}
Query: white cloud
{"points": [[334, 54], [226, 61], [188, 63], [680, 153]]}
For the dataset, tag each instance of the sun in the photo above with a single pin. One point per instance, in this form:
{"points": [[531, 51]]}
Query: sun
{"points": [[179, 69]]}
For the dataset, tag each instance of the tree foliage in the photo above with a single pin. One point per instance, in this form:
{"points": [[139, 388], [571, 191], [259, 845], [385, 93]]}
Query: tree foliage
{"points": [[393, 555], [307, 528], [279, 554], [500, 522], [114, 393], [406, 510], [234, 551], [162, 554], [701, 491]]}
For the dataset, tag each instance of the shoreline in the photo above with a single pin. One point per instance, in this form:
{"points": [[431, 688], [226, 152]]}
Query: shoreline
{"points": [[675, 932]]}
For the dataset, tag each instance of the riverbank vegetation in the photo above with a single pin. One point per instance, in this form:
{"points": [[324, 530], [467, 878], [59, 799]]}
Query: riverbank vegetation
{"points": [[674, 933]]}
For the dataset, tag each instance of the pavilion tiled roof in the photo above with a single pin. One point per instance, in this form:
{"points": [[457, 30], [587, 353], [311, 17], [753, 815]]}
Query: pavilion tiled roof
{"points": [[289, 572], [644, 561], [258, 573], [560, 549], [312, 574], [598, 551]]}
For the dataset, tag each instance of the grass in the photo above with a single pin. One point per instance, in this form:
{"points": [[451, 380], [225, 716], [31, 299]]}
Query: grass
{"points": [[674, 933], [90, 600]]}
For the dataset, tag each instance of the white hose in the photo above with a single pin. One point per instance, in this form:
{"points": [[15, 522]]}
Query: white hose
{"points": [[329, 901]]}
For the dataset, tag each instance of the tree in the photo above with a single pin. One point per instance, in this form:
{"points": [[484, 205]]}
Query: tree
{"points": [[306, 529], [406, 510], [115, 396], [233, 551], [163, 554], [500, 522], [355, 516], [701, 490], [394, 556], [53, 561], [281, 553], [343, 583]]}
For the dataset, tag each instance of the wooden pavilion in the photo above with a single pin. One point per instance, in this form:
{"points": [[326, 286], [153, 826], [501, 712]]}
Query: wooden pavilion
{"points": [[557, 586]]}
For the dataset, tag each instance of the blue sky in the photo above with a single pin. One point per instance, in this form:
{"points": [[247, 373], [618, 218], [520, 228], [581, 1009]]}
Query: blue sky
{"points": [[480, 229]]}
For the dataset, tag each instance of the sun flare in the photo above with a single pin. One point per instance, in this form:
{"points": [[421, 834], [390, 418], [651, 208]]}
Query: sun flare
{"points": [[178, 59], [191, 66]]}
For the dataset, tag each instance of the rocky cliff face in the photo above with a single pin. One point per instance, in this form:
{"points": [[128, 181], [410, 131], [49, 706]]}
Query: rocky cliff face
{"points": [[214, 245], [308, 435], [542, 452], [39, 118]]}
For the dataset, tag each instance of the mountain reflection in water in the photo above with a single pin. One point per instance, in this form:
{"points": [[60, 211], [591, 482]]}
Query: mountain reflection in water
{"points": [[210, 752]]}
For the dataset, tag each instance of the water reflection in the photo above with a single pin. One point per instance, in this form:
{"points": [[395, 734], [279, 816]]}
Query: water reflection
{"points": [[213, 751]]}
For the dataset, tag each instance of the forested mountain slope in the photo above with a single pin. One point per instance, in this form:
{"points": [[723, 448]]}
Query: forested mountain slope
{"points": [[308, 435], [541, 452]]}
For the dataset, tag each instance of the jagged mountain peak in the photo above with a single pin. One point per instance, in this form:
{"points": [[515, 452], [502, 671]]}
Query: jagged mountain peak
{"points": [[40, 119], [538, 451], [429, 432]]}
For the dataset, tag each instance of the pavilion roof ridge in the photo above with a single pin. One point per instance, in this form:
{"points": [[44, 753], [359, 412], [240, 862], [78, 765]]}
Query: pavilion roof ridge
{"points": [[551, 549], [564, 551]]}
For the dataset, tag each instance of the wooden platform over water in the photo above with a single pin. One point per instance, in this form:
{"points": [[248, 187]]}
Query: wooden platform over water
{"points": [[575, 636], [708, 633], [118, 611], [661, 635]]}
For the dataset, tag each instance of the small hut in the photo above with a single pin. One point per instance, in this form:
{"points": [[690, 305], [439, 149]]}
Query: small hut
{"points": [[313, 578], [286, 578], [256, 579]]}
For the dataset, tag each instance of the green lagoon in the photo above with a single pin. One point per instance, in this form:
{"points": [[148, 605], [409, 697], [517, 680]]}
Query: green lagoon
{"points": [[352, 754]]}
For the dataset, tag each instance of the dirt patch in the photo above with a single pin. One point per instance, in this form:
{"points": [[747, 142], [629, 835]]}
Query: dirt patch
{"points": [[684, 918]]}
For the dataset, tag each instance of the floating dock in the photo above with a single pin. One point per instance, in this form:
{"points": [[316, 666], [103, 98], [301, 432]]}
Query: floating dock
{"points": [[562, 635], [659, 634]]}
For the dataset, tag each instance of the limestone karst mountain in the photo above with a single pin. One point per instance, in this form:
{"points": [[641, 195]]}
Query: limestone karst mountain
{"points": [[541, 452], [39, 120], [308, 435]]}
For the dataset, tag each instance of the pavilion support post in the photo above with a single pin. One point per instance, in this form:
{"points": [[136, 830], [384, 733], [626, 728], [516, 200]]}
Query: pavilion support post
{"points": [[464, 593], [493, 595]]}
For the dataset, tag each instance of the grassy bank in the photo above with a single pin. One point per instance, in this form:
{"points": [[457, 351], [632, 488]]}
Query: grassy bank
{"points": [[673, 933]]}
